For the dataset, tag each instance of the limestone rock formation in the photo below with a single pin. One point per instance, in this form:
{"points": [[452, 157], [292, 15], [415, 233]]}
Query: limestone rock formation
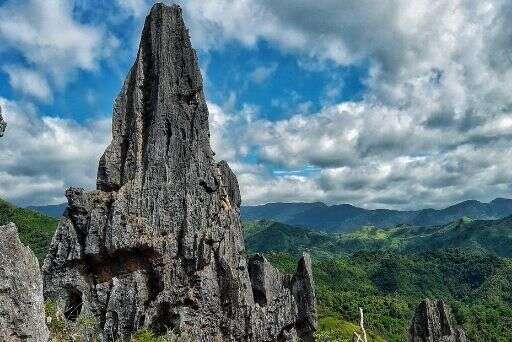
{"points": [[433, 322], [159, 243], [21, 291], [2, 124]]}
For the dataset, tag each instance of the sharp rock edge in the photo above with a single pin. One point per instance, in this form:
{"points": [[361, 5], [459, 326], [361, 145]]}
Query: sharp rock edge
{"points": [[433, 322], [159, 243]]}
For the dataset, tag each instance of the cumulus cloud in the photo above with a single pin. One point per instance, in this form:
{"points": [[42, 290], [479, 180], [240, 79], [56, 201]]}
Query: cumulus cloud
{"points": [[51, 41], [434, 124], [367, 155], [42, 155]]}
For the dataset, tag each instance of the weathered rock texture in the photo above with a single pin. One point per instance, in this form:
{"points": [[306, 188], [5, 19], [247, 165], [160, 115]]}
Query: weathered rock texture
{"points": [[21, 291], [159, 243], [2, 124], [433, 322]]}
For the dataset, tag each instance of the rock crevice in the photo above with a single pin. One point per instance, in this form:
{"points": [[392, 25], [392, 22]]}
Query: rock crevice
{"points": [[159, 243]]}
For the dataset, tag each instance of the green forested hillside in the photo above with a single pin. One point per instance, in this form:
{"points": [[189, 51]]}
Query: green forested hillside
{"points": [[492, 236], [35, 229], [388, 272], [389, 286]]}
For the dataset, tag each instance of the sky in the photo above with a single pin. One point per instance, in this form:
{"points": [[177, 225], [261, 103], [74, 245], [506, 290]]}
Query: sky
{"points": [[382, 104]]}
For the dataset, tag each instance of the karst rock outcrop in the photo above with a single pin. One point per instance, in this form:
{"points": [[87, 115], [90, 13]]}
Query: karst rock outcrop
{"points": [[433, 322], [159, 243], [2, 124], [21, 291]]}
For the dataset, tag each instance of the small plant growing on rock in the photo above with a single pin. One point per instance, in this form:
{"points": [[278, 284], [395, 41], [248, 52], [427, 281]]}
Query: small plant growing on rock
{"points": [[62, 330], [56, 324]]}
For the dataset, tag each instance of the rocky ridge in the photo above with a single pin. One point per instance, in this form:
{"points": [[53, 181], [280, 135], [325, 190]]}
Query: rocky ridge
{"points": [[433, 322], [159, 243], [21, 291]]}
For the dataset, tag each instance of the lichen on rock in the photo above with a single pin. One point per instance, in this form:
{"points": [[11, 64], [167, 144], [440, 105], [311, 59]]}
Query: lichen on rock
{"points": [[158, 245]]}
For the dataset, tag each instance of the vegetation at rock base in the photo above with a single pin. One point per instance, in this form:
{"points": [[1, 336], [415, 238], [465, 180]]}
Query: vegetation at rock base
{"points": [[146, 335], [62, 330]]}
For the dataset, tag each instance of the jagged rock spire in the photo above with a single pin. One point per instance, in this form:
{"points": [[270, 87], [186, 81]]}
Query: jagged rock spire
{"points": [[160, 108], [159, 243], [2, 124], [433, 322]]}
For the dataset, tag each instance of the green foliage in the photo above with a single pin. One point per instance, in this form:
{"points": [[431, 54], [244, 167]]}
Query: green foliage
{"points": [[389, 286], [36, 230], [332, 329], [59, 330], [493, 237], [146, 335]]}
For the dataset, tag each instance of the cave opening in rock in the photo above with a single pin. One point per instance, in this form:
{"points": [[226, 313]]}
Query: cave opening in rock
{"points": [[73, 305], [260, 296], [165, 320]]}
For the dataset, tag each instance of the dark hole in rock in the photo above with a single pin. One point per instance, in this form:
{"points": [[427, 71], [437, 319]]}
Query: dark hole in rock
{"points": [[256, 268], [259, 296], [106, 267], [73, 305], [165, 320]]}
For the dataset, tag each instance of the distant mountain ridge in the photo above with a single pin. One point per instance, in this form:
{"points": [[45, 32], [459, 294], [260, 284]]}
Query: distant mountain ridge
{"points": [[53, 210], [346, 217], [486, 236]]}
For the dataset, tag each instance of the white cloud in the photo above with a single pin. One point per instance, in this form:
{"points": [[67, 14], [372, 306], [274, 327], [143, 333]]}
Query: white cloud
{"points": [[50, 40], [29, 82], [373, 156], [42, 156], [433, 127]]}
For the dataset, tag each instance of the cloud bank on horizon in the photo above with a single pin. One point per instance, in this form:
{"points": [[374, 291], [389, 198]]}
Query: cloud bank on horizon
{"points": [[394, 104]]}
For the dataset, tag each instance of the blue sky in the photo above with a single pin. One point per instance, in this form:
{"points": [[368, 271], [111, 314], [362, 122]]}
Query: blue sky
{"points": [[393, 104]]}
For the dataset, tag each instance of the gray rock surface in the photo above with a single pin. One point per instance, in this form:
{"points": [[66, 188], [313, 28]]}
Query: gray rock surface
{"points": [[433, 322], [159, 243], [21, 291], [2, 124]]}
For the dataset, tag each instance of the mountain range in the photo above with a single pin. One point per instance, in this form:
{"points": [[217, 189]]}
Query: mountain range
{"points": [[486, 236], [346, 217]]}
